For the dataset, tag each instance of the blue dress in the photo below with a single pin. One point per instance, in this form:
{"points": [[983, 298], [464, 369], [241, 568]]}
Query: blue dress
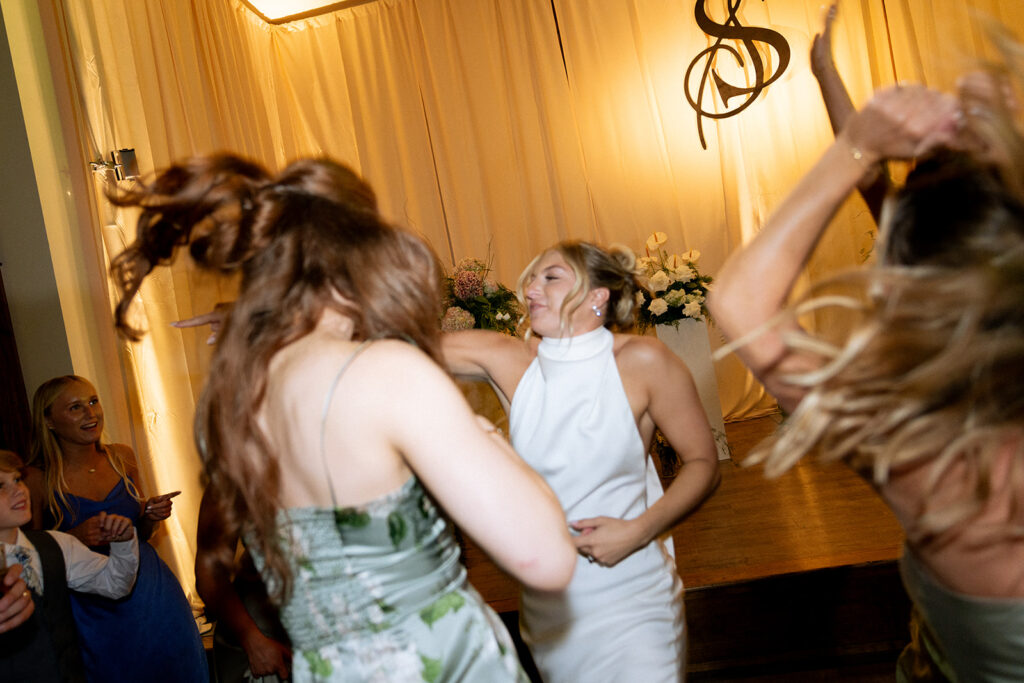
{"points": [[150, 635]]}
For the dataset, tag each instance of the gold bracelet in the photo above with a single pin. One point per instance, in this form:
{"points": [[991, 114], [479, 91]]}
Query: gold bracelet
{"points": [[858, 154]]}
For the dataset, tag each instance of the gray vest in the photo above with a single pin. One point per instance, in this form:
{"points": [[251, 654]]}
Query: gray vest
{"points": [[45, 648]]}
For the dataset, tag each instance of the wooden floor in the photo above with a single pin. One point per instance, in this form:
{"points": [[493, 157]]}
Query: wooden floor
{"points": [[815, 516], [758, 545]]}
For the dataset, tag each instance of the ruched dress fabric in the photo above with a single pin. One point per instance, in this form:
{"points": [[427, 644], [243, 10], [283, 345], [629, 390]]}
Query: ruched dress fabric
{"points": [[150, 635], [379, 594], [982, 638], [571, 421]]}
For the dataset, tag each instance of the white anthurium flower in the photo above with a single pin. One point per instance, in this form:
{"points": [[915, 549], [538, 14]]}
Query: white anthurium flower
{"points": [[692, 309], [658, 306], [691, 256], [675, 262], [660, 281], [656, 240]]}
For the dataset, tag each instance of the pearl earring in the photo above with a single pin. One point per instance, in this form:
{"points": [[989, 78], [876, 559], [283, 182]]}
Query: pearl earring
{"points": [[597, 311]]}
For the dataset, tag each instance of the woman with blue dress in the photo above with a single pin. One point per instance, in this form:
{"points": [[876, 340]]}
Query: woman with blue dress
{"points": [[150, 635]]}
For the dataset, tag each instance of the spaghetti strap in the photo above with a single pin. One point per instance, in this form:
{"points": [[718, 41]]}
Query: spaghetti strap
{"points": [[323, 417]]}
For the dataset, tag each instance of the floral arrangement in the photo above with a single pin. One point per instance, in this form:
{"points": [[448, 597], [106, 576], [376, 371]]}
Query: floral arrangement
{"points": [[675, 290], [475, 300]]}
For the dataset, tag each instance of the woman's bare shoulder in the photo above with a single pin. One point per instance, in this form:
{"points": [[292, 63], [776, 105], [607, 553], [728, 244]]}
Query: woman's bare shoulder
{"points": [[644, 349], [126, 455]]}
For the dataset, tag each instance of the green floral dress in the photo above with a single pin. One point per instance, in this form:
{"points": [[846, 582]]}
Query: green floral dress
{"points": [[379, 594]]}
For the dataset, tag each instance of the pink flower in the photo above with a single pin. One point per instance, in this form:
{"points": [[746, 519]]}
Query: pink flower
{"points": [[468, 284], [456, 318]]}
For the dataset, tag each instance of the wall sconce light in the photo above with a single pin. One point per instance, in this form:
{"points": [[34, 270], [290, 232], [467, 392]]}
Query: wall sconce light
{"points": [[126, 167], [122, 163]]}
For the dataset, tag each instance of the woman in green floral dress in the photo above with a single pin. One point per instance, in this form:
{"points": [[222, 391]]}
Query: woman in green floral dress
{"points": [[331, 436]]}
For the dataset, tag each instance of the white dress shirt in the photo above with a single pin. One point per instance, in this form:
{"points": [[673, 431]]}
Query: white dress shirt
{"points": [[87, 571]]}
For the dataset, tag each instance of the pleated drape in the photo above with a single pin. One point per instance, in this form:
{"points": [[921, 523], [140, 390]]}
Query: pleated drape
{"points": [[492, 127]]}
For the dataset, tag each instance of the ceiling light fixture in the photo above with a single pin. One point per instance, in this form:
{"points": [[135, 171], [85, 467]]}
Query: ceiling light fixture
{"points": [[283, 11]]}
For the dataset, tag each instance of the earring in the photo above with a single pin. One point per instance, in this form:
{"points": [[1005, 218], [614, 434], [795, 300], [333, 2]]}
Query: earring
{"points": [[597, 311]]}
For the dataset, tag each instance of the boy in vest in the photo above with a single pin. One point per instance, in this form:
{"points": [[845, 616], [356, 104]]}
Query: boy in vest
{"points": [[45, 647]]}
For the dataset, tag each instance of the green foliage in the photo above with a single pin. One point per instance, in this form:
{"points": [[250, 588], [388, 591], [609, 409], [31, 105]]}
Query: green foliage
{"points": [[476, 301]]}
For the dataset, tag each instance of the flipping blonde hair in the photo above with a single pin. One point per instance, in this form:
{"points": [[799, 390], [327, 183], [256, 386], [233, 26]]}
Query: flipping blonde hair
{"points": [[933, 368]]}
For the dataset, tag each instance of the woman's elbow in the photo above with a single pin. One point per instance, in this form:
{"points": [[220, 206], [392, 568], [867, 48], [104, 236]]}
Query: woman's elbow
{"points": [[551, 572], [720, 303]]}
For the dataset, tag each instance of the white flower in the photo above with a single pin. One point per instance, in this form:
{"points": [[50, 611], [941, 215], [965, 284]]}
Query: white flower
{"points": [[682, 274], [691, 256], [675, 297], [692, 309], [656, 240], [639, 299], [659, 281], [675, 262], [658, 306]]}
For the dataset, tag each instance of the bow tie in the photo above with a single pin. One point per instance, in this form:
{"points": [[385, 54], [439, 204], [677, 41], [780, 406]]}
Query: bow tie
{"points": [[28, 573]]}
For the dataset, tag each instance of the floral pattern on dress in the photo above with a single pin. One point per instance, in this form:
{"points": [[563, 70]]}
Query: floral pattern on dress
{"points": [[378, 594]]}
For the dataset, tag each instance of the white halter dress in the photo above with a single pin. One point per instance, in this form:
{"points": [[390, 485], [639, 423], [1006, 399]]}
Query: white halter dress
{"points": [[571, 421]]}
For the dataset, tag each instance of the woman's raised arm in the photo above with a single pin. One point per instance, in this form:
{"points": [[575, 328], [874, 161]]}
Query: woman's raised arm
{"points": [[756, 281]]}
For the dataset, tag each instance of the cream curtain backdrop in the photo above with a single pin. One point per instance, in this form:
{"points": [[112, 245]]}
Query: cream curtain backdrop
{"points": [[492, 127]]}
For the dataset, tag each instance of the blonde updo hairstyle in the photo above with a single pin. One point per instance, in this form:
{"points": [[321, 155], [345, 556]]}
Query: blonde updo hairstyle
{"points": [[613, 268]]}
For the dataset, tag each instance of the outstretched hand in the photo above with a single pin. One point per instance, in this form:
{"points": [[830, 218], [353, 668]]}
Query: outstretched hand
{"points": [[214, 319], [608, 540], [821, 45], [158, 508]]}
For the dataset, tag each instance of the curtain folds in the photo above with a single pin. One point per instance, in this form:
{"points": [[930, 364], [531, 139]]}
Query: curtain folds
{"points": [[492, 127]]}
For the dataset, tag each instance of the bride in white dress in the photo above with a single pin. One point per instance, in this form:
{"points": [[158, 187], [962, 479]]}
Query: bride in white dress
{"points": [[585, 402]]}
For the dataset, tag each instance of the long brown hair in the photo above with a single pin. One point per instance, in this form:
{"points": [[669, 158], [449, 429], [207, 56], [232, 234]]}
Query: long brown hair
{"points": [[46, 453], [299, 239]]}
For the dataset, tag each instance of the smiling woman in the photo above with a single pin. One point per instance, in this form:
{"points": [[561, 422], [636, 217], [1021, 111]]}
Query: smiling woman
{"points": [[585, 401], [83, 481]]}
